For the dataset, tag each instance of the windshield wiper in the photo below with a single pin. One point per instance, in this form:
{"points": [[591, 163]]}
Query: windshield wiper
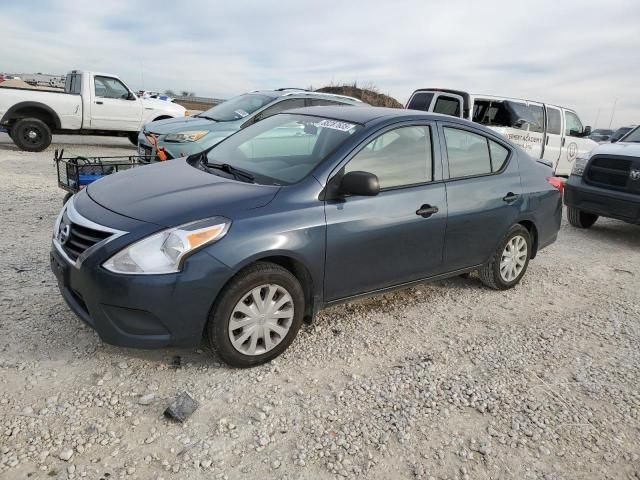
{"points": [[208, 118], [236, 172]]}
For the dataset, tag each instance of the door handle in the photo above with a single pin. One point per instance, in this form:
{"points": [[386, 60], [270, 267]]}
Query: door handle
{"points": [[563, 140], [510, 197], [426, 211], [98, 102]]}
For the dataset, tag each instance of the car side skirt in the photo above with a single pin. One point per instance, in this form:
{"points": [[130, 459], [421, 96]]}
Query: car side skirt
{"points": [[401, 286]]}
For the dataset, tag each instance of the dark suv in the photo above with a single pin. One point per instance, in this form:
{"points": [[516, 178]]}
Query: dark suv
{"points": [[606, 183], [297, 212]]}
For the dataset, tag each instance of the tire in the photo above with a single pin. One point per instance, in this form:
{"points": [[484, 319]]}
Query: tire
{"points": [[31, 134], [260, 277], [490, 273], [580, 219], [133, 138]]}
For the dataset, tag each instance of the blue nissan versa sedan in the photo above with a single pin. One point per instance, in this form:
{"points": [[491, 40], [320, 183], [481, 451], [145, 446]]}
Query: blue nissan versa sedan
{"points": [[302, 210]]}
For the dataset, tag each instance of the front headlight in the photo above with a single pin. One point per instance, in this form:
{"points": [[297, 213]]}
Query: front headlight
{"points": [[579, 166], [163, 252], [182, 137]]}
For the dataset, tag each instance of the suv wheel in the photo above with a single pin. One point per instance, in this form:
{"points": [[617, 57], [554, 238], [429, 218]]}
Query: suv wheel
{"points": [[257, 315], [580, 219], [31, 134], [510, 261]]}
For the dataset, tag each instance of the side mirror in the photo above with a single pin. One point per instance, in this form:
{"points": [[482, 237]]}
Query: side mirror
{"points": [[359, 183], [131, 96], [587, 131]]}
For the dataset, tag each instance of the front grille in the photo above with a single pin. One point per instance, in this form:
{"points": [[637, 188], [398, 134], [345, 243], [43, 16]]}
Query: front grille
{"points": [[611, 172], [76, 239]]}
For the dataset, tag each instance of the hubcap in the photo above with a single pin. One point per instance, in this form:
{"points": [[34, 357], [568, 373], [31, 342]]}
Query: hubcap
{"points": [[514, 257], [261, 319], [32, 136]]}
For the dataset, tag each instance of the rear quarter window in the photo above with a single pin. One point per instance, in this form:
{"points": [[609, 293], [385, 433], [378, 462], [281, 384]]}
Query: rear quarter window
{"points": [[420, 101]]}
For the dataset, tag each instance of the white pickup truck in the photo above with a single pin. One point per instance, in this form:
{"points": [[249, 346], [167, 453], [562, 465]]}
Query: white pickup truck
{"points": [[91, 104]]}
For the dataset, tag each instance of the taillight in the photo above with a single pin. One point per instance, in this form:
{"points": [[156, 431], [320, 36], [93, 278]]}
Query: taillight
{"points": [[557, 183]]}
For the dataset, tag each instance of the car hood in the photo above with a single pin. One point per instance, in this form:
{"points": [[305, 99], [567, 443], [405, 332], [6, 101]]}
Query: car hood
{"points": [[174, 125], [629, 149], [163, 105], [173, 192]]}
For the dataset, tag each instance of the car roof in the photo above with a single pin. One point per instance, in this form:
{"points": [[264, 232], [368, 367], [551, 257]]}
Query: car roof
{"points": [[301, 93], [362, 115], [366, 114]]}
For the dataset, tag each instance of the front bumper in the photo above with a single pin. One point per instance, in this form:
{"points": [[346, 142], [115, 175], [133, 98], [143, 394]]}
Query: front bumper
{"points": [[142, 311], [601, 201], [173, 149]]}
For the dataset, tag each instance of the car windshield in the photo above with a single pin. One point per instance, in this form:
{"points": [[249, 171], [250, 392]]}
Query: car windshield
{"points": [[618, 134], [237, 107], [632, 136], [281, 149]]}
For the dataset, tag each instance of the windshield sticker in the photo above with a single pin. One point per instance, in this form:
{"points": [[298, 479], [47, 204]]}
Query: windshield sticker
{"points": [[241, 112], [335, 125]]}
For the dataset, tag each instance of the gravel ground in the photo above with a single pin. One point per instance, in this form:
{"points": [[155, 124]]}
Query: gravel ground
{"points": [[542, 382]]}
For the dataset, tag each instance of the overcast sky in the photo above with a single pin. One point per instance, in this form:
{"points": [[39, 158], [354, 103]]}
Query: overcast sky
{"points": [[581, 54]]}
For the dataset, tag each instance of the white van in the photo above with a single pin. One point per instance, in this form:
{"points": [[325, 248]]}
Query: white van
{"points": [[545, 131]]}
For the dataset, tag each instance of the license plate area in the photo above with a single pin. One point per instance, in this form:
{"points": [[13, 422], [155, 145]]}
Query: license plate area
{"points": [[60, 269], [144, 152]]}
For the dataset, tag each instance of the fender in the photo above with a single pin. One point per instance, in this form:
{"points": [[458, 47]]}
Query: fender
{"points": [[9, 115]]}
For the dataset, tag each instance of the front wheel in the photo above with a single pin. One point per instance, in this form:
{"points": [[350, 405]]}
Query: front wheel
{"points": [[580, 219], [257, 315], [133, 138], [509, 262]]}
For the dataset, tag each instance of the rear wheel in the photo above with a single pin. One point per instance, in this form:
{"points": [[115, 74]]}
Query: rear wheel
{"points": [[510, 261], [580, 219], [31, 134], [257, 315]]}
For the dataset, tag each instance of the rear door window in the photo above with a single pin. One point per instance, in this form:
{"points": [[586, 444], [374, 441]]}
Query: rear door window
{"points": [[471, 154], [493, 113], [447, 106], [420, 101]]}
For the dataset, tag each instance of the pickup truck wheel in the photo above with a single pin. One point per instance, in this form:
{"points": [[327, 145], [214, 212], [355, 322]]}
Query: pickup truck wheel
{"points": [[580, 219], [510, 260], [31, 134], [256, 316], [133, 138]]}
